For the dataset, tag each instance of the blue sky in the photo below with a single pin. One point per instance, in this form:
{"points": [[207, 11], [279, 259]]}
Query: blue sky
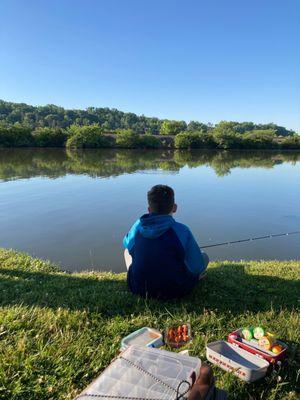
{"points": [[203, 60]]}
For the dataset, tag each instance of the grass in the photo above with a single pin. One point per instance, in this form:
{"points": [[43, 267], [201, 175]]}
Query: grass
{"points": [[58, 331]]}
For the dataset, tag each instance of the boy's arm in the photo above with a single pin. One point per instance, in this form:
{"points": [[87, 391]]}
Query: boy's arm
{"points": [[193, 255], [128, 241]]}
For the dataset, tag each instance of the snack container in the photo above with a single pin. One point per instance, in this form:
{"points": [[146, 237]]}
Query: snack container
{"points": [[232, 358], [143, 372], [174, 344], [143, 337], [252, 347]]}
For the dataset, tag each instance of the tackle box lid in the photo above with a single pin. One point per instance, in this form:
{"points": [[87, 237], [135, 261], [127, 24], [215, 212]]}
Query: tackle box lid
{"points": [[143, 337], [126, 376]]}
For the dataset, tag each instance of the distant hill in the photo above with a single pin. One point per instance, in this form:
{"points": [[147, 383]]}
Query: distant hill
{"points": [[110, 119]]}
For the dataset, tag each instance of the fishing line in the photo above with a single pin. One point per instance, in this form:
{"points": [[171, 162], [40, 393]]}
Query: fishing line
{"points": [[250, 239]]}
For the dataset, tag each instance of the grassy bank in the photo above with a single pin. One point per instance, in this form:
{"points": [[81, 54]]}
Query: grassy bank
{"points": [[58, 331]]}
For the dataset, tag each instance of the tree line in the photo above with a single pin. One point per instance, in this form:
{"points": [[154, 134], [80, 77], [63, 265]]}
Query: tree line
{"points": [[22, 125], [93, 136], [53, 116]]}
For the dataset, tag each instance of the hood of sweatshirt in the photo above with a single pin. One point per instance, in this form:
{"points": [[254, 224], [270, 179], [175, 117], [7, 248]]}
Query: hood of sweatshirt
{"points": [[154, 225]]}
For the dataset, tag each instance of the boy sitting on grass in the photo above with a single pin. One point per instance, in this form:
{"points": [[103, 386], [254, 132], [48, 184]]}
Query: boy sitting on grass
{"points": [[162, 257]]}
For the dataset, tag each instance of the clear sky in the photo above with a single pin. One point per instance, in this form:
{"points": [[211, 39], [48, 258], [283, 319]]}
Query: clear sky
{"points": [[206, 60]]}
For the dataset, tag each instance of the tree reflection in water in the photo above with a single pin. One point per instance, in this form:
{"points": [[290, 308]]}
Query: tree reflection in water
{"points": [[54, 163]]}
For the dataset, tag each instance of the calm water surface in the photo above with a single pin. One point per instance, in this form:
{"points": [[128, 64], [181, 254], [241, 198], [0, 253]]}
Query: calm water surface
{"points": [[74, 207]]}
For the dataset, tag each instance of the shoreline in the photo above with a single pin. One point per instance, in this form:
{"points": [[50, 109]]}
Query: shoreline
{"points": [[171, 149], [162, 142]]}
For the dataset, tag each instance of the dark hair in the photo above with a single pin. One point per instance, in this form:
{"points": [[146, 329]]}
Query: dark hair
{"points": [[161, 199]]}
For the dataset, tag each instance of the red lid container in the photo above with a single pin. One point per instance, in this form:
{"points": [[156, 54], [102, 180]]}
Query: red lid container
{"points": [[237, 339]]}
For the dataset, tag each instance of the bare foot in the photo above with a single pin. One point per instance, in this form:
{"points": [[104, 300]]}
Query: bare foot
{"points": [[203, 384]]}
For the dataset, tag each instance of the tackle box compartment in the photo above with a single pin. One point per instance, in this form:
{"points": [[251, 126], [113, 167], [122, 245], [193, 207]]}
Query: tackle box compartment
{"points": [[235, 337], [230, 357], [144, 372], [172, 343]]}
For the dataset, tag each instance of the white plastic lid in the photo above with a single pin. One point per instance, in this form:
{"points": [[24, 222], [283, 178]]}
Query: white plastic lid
{"points": [[142, 337], [125, 376]]}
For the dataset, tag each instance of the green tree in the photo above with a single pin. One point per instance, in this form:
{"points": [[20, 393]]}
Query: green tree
{"points": [[260, 139], [194, 140], [49, 137], [172, 127], [57, 117], [291, 142], [278, 130], [194, 126], [16, 136], [226, 137], [87, 137], [225, 127], [127, 139], [149, 141]]}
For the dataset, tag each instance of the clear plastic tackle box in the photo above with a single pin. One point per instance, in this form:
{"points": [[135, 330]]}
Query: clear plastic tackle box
{"points": [[144, 372]]}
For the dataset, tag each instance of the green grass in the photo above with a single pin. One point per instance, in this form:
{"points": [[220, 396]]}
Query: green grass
{"points": [[58, 331]]}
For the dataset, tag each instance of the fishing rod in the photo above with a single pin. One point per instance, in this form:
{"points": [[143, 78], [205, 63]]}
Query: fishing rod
{"points": [[251, 239]]}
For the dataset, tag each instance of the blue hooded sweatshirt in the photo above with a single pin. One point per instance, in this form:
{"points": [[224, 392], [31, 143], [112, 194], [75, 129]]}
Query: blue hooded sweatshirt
{"points": [[166, 259]]}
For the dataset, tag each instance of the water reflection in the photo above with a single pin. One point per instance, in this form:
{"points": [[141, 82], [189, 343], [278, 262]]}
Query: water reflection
{"points": [[54, 163]]}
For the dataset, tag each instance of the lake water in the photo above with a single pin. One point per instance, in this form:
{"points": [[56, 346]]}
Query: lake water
{"points": [[74, 207]]}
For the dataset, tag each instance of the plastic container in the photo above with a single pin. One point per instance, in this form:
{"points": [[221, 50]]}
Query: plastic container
{"points": [[126, 376], [232, 358], [143, 337], [177, 344], [253, 347]]}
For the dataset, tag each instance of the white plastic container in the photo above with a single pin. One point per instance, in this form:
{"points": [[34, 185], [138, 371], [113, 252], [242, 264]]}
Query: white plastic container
{"points": [[231, 358], [143, 337], [126, 376]]}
